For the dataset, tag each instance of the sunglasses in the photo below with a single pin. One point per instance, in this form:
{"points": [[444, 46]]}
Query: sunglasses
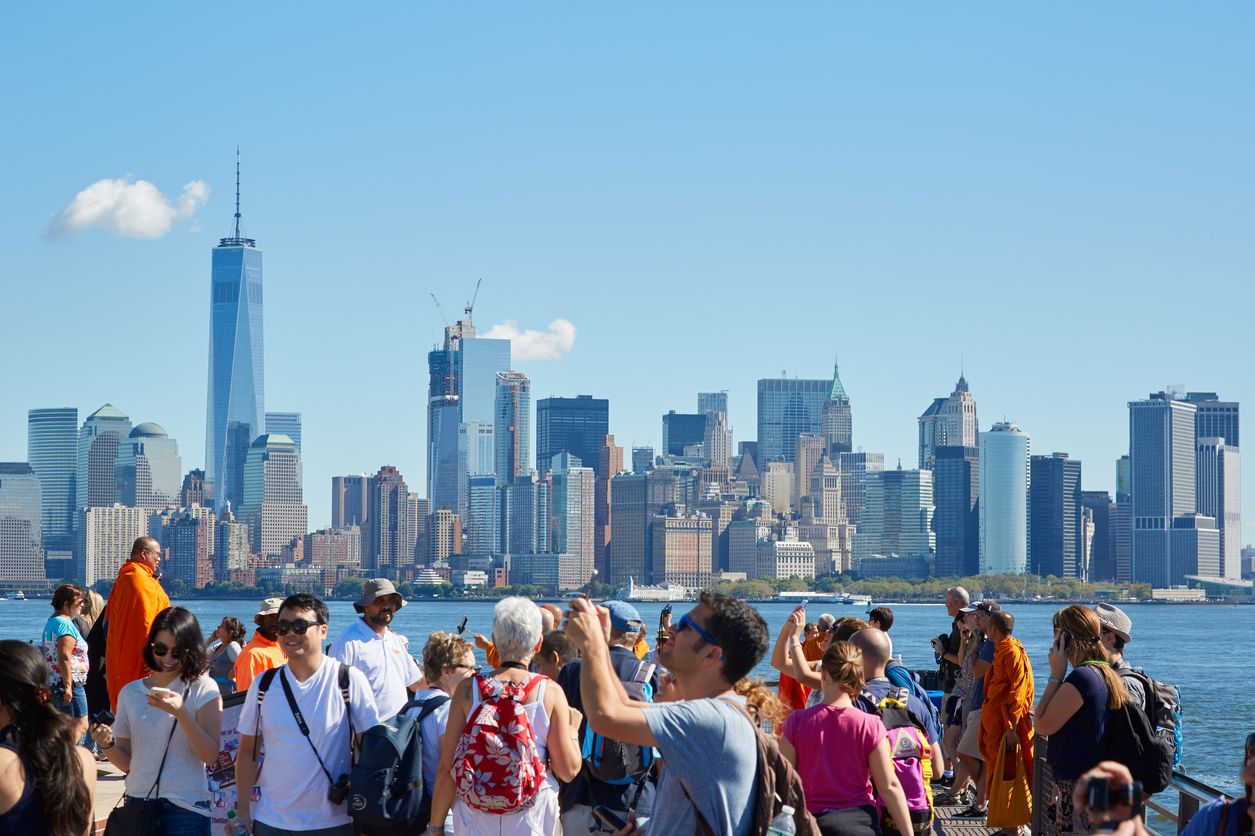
{"points": [[299, 626], [687, 623], [160, 649]]}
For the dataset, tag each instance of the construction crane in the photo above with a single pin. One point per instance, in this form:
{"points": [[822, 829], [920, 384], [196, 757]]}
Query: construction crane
{"points": [[470, 306], [440, 309]]}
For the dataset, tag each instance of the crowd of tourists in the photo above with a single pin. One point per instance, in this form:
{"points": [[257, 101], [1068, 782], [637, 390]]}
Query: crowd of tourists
{"points": [[574, 725]]}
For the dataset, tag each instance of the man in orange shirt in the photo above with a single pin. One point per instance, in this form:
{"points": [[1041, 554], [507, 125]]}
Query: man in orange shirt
{"points": [[262, 651], [136, 599]]}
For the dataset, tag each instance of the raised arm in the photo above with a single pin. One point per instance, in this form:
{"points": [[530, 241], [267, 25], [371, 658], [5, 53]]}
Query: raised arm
{"points": [[606, 707]]}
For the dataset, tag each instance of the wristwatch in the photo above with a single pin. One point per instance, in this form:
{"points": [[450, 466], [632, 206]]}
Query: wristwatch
{"points": [[1054, 680]]}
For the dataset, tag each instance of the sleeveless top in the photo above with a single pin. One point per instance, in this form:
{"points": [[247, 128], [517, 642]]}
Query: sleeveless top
{"points": [[24, 818]]}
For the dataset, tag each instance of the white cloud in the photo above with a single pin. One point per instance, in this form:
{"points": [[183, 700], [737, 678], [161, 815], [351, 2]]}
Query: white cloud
{"points": [[132, 209], [535, 345]]}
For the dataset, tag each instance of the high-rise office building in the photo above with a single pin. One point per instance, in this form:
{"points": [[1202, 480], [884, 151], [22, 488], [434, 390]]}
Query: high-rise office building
{"points": [[1122, 521], [273, 503], [1055, 536], [105, 536], [636, 498], [350, 500], [777, 486], [1214, 418], [235, 406], [948, 422], [1194, 548], [717, 441], [576, 425], [808, 450], [1162, 474], [610, 465], [192, 490], [148, 469], [443, 479], [574, 489], [512, 428], [98, 441], [285, 423], [21, 519], [417, 510], [642, 459], [682, 548], [712, 402], [333, 548], [231, 548], [388, 545], [681, 430], [786, 409], [444, 536], [482, 525], [185, 540], [52, 451], [836, 424], [1004, 478], [477, 456], [956, 490], [854, 468], [526, 513], [1102, 553], [1218, 490], [897, 518]]}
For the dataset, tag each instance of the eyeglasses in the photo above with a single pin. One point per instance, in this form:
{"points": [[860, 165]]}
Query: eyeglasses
{"points": [[471, 668], [299, 626], [160, 649]]}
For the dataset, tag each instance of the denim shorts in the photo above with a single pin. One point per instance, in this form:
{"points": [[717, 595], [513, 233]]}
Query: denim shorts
{"points": [[76, 707], [174, 820]]}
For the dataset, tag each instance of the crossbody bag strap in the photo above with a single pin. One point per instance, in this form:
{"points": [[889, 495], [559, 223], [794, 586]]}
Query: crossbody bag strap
{"points": [[300, 724], [156, 787], [342, 677]]}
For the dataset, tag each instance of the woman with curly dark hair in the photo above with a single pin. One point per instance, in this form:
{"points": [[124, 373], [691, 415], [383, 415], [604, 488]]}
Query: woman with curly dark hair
{"points": [[168, 725], [230, 638], [47, 781]]}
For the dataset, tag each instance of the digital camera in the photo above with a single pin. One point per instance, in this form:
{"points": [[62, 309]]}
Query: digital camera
{"points": [[338, 791], [1102, 797]]}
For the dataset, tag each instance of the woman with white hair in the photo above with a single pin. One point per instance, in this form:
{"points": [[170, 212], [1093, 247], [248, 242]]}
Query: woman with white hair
{"points": [[516, 635]]}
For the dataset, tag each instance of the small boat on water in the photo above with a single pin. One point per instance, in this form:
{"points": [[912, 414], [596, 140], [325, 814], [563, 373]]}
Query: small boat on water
{"points": [[20, 596], [813, 597]]}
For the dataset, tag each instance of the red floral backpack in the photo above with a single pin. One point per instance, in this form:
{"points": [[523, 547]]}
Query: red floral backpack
{"points": [[496, 766]]}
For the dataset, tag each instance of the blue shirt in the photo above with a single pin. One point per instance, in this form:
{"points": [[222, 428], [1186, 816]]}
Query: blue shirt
{"points": [[1077, 747], [985, 654], [879, 688], [1207, 819]]}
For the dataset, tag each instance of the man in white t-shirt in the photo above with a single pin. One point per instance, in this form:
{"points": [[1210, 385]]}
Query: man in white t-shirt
{"points": [[370, 645], [299, 770]]}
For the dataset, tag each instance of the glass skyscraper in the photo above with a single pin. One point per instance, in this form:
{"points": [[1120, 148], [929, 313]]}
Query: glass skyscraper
{"points": [[1004, 475], [235, 412], [578, 426], [512, 433], [52, 451], [285, 423], [786, 409], [95, 484]]}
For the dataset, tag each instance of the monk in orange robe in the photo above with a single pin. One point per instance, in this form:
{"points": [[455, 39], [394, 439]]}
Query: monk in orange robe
{"points": [[1004, 719], [793, 693], [133, 605]]}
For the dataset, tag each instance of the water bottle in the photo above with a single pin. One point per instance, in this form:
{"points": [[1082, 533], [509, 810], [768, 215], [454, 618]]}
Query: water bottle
{"points": [[236, 827], [781, 825]]}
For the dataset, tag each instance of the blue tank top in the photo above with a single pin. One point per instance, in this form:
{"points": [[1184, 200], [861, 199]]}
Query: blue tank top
{"points": [[24, 818]]}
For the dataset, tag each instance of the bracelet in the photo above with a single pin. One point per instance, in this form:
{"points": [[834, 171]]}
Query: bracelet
{"points": [[1054, 680]]}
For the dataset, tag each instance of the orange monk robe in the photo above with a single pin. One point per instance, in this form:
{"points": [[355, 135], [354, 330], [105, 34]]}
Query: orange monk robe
{"points": [[641, 648], [793, 693], [133, 605], [1008, 701]]}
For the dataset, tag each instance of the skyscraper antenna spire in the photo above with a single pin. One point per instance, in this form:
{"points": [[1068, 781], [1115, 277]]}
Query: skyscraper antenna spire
{"points": [[237, 191]]}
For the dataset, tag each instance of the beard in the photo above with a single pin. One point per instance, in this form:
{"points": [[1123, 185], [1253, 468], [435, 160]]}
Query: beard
{"points": [[381, 619]]}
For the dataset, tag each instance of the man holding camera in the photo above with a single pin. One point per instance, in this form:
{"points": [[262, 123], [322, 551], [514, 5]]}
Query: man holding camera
{"points": [[313, 705]]}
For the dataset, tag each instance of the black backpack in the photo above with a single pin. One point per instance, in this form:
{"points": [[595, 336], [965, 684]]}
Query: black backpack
{"points": [[386, 784], [1131, 740], [610, 761]]}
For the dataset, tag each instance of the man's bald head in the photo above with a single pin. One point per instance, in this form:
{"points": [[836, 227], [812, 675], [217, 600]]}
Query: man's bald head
{"points": [[875, 646]]}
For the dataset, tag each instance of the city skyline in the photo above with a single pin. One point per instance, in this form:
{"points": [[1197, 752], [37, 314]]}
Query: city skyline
{"points": [[869, 217]]}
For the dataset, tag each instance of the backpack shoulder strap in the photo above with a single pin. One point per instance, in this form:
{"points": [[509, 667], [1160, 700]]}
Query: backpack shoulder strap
{"points": [[429, 705], [1222, 822], [702, 827], [644, 670]]}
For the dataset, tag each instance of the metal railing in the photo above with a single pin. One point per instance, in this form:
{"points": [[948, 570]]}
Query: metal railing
{"points": [[1191, 795]]}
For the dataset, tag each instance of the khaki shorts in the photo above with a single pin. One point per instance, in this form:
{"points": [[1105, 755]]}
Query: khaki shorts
{"points": [[969, 743]]}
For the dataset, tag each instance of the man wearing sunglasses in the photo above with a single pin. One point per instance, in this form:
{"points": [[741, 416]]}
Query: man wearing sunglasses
{"points": [[708, 746], [374, 648], [136, 599], [304, 722]]}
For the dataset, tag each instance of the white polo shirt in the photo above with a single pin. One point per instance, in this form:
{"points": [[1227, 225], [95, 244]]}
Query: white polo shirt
{"points": [[385, 659]]}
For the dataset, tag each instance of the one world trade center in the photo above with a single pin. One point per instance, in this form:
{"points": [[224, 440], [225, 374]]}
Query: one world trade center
{"points": [[235, 405]]}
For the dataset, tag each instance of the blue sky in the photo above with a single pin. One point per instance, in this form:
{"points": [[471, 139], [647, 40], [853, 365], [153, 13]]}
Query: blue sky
{"points": [[1060, 198]]}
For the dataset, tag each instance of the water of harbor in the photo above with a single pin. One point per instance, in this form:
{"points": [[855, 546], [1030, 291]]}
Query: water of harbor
{"points": [[1206, 650]]}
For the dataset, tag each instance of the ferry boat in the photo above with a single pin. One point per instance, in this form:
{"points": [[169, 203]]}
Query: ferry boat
{"points": [[667, 592], [20, 596], [813, 597], [857, 600]]}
